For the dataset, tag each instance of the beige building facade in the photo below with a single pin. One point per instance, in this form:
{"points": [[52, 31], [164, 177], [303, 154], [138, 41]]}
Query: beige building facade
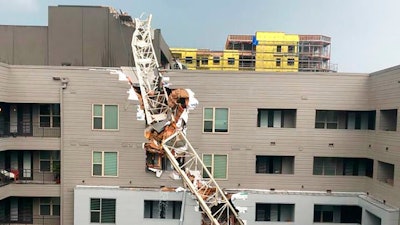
{"points": [[312, 134]]}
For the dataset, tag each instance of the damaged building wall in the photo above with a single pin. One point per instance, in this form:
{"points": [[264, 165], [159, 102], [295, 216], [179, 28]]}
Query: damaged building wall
{"points": [[95, 37], [77, 36]]}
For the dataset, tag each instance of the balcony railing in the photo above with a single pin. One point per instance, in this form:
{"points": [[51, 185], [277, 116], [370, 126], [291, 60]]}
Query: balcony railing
{"points": [[31, 220], [28, 129], [27, 176]]}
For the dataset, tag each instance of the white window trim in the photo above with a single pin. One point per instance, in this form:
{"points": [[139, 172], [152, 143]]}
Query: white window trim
{"points": [[212, 165], [50, 115], [213, 120], [103, 119], [102, 163]]}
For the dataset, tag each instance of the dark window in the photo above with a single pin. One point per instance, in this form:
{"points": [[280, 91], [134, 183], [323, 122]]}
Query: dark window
{"points": [[216, 59], [49, 115], [338, 166], [189, 60], [275, 164], [162, 209], [204, 61], [231, 61], [274, 212], [290, 62], [277, 118], [102, 210], [291, 48], [279, 48], [278, 62], [323, 214]]}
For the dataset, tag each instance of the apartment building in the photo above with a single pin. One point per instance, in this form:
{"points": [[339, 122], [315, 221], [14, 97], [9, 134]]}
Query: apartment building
{"points": [[264, 51], [320, 148]]}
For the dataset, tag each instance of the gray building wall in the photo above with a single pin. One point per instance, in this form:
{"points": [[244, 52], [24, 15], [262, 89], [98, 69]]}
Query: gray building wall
{"points": [[77, 36], [130, 205], [23, 45]]}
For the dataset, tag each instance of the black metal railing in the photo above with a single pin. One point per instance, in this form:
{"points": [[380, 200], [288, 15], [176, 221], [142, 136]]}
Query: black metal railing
{"points": [[29, 219], [28, 176], [26, 129]]}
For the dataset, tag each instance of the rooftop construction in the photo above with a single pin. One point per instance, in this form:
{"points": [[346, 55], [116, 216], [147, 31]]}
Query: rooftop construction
{"points": [[264, 51]]}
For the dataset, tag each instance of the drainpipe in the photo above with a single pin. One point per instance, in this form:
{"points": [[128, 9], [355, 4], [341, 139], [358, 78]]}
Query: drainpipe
{"points": [[183, 208], [64, 82]]}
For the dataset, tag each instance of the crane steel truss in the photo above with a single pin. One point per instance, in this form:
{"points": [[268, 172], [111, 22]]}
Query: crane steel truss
{"points": [[166, 130]]}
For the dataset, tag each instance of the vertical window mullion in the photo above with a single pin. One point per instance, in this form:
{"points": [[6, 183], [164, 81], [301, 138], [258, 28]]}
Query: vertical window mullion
{"points": [[103, 117], [102, 162], [212, 165], [213, 123]]}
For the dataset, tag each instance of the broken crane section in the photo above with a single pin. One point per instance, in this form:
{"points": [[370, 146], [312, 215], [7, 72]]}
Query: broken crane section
{"points": [[166, 113]]}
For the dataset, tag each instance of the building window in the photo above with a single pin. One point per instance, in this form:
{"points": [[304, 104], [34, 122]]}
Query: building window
{"points": [[323, 214], [162, 209], [217, 165], [49, 206], [326, 119], [105, 117], [189, 59], [231, 61], [337, 214], [291, 48], [386, 173], [216, 60], [274, 212], [389, 120], [49, 115], [216, 120], [275, 164], [49, 161], [276, 118], [204, 61], [361, 120], [279, 48], [102, 210], [278, 62], [105, 164], [352, 120], [290, 61], [343, 166]]}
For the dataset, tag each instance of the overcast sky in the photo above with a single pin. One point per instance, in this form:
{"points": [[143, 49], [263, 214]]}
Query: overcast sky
{"points": [[365, 33]]}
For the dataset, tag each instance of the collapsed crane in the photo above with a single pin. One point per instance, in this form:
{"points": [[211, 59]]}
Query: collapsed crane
{"points": [[166, 113]]}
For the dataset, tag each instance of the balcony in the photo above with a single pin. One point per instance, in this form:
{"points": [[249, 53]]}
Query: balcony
{"points": [[30, 210], [27, 176], [27, 129]]}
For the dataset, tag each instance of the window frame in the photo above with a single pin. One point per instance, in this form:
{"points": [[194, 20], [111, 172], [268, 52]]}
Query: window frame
{"points": [[103, 117], [101, 210], [278, 62], [51, 204], [216, 60], [189, 59], [103, 164], [175, 205], [51, 116], [212, 171], [213, 120], [52, 160], [231, 61]]}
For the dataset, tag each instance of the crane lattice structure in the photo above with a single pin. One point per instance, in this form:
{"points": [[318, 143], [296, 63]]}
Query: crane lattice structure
{"points": [[166, 113]]}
